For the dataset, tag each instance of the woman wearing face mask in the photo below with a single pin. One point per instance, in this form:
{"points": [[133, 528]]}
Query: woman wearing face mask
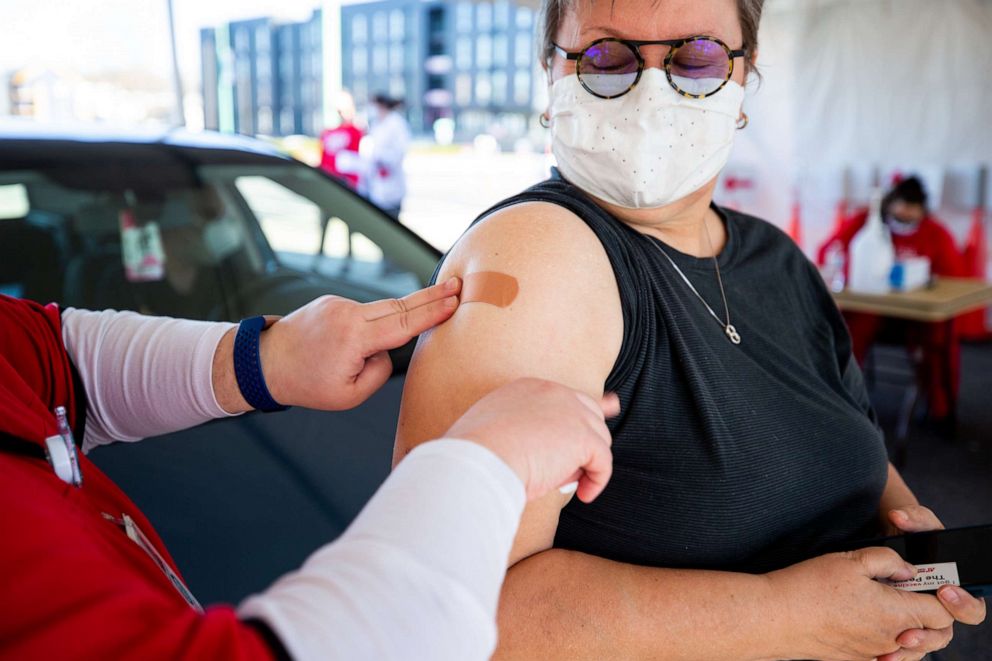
{"points": [[389, 139], [746, 448], [915, 233]]}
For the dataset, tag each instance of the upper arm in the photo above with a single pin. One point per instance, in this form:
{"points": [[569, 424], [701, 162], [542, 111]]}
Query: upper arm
{"points": [[565, 325]]}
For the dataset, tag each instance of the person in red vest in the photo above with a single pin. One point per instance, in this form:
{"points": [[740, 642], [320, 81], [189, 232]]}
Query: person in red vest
{"points": [[339, 145], [915, 233], [416, 575]]}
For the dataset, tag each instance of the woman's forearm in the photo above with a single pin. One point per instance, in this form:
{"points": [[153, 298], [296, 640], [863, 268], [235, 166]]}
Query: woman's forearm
{"points": [[567, 605]]}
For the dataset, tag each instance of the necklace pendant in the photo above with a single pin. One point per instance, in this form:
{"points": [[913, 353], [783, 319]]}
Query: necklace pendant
{"points": [[732, 333]]}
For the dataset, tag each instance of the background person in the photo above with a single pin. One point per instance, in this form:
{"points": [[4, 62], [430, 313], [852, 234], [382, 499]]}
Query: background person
{"points": [[389, 140], [747, 447], [339, 146], [415, 576], [916, 232]]}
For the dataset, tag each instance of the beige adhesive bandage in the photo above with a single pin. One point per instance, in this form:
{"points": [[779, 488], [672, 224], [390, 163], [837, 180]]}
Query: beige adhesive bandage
{"points": [[490, 287]]}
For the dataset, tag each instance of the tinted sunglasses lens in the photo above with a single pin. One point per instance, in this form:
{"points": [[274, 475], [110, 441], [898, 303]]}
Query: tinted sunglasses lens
{"points": [[608, 68], [700, 67]]}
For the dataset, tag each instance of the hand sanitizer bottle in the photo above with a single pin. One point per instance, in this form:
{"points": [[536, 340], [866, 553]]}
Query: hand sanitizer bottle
{"points": [[871, 253]]}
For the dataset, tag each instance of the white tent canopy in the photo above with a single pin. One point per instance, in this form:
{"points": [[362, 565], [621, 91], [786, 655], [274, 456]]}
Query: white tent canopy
{"points": [[855, 89]]}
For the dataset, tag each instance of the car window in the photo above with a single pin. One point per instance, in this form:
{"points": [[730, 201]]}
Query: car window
{"points": [[222, 241], [161, 252], [290, 222], [315, 225]]}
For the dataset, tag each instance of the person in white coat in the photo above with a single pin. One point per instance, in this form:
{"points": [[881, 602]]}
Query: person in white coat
{"points": [[388, 142]]}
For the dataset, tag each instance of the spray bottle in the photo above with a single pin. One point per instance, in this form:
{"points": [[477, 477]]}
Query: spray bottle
{"points": [[871, 253]]}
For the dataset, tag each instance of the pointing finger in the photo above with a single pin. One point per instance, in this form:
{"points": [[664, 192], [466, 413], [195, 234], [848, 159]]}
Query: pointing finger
{"points": [[395, 330], [393, 306]]}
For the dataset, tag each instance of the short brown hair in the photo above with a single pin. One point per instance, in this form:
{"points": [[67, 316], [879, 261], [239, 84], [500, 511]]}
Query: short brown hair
{"points": [[553, 10]]}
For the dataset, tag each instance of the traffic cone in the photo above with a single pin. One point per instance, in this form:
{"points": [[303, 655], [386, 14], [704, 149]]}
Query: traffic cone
{"points": [[840, 216], [796, 224], [973, 326]]}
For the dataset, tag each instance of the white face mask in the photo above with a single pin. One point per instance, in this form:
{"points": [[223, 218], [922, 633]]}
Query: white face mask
{"points": [[646, 149]]}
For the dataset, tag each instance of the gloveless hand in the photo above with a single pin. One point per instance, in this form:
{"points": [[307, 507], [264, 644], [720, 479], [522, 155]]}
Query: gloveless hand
{"points": [[835, 610], [549, 434], [917, 643], [331, 354]]}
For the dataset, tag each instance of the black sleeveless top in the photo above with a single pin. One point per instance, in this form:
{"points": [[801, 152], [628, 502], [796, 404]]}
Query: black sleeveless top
{"points": [[742, 457]]}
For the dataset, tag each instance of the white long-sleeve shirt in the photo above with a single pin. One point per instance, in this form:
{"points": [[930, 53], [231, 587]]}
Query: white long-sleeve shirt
{"points": [[389, 139], [416, 576]]}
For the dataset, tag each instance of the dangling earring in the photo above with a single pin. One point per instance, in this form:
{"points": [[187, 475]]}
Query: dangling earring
{"points": [[743, 121], [544, 120]]}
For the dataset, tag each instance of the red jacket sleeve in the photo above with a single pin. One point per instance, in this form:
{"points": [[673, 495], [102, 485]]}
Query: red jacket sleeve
{"points": [[844, 234]]}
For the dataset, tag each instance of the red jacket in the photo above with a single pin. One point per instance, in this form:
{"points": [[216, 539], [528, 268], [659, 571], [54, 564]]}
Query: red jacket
{"points": [[929, 240], [344, 138], [73, 584]]}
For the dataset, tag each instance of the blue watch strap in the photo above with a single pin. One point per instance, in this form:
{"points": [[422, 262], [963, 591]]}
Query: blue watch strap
{"points": [[248, 366]]}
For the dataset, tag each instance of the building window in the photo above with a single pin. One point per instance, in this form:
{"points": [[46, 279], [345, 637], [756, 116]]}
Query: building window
{"points": [[525, 18], [359, 28], [242, 40], [435, 21], [396, 57], [379, 31], [501, 50], [263, 69], [521, 88], [397, 25], [521, 50], [483, 89], [501, 14], [463, 17], [484, 51], [463, 53], [262, 39], [463, 89], [379, 58], [484, 17], [500, 83], [359, 61]]}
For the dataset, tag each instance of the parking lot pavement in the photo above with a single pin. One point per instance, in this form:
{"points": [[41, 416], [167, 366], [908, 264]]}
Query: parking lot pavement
{"points": [[446, 190]]}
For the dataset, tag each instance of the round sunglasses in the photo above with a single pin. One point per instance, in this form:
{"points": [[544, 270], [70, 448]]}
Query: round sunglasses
{"points": [[696, 67]]}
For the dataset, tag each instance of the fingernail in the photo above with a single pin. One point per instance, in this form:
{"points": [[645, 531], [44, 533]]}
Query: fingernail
{"points": [[451, 284], [451, 303], [900, 514], [951, 595], [912, 641], [569, 488]]}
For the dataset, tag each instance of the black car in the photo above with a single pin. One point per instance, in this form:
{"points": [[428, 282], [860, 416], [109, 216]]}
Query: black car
{"points": [[215, 227]]}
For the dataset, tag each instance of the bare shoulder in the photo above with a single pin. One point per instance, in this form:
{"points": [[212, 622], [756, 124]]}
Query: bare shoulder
{"points": [[563, 324], [532, 236]]}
